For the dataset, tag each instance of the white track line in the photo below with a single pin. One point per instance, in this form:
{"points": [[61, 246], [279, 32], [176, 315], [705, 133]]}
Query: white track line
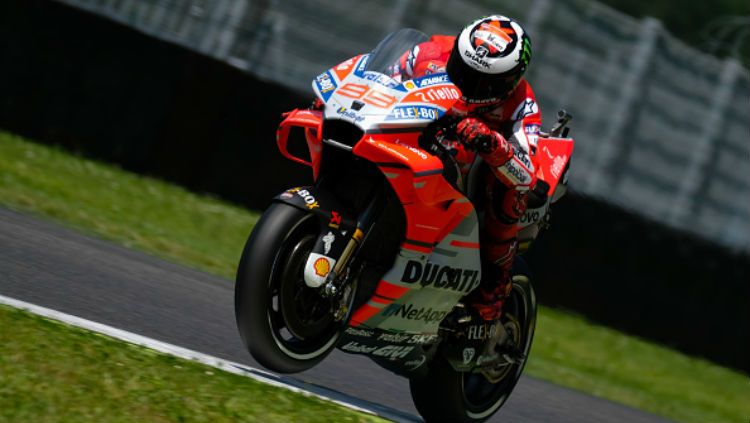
{"points": [[228, 366]]}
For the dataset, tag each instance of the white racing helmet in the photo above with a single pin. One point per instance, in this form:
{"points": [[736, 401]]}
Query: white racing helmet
{"points": [[488, 59]]}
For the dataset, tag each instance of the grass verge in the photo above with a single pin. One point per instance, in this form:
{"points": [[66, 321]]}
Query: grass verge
{"points": [[52, 372], [208, 234]]}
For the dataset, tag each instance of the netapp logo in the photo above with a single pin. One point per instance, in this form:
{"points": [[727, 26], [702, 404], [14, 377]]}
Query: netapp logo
{"points": [[462, 280], [409, 312]]}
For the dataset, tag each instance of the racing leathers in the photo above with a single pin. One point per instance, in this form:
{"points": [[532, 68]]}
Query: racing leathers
{"points": [[504, 133]]}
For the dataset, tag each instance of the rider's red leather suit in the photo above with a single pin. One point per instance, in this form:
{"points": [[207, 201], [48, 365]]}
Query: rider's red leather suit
{"points": [[518, 119]]}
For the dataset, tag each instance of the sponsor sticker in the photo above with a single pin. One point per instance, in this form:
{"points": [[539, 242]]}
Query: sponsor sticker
{"points": [[432, 95], [351, 114], [445, 277], [531, 216], [558, 164], [309, 199], [391, 352], [478, 58], [322, 266], [328, 241], [317, 269], [335, 221], [414, 113], [481, 332], [411, 312], [396, 338], [364, 333], [380, 78], [528, 107], [433, 80], [522, 157], [468, 355], [405, 338], [423, 339], [362, 65], [532, 133], [356, 347], [345, 65], [326, 85], [422, 155], [515, 172]]}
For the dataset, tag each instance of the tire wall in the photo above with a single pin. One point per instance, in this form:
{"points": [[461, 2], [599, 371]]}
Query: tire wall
{"points": [[158, 109]]}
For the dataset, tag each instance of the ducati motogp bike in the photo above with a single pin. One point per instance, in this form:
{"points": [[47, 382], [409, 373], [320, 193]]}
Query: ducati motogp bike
{"points": [[377, 257]]}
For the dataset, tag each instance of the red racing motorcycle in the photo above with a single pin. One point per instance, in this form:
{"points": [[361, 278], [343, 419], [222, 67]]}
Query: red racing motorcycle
{"points": [[377, 256]]}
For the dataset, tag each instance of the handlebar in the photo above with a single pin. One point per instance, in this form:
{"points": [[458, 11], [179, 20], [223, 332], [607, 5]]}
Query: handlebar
{"points": [[559, 128]]}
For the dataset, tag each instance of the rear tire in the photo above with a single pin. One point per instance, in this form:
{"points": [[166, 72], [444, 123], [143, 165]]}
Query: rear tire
{"points": [[286, 326], [446, 395]]}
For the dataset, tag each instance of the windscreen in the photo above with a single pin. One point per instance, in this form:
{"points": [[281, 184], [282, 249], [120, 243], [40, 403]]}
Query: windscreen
{"points": [[388, 51]]}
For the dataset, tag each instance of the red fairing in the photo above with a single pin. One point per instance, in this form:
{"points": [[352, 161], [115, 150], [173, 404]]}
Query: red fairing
{"points": [[552, 156], [312, 122], [432, 206]]}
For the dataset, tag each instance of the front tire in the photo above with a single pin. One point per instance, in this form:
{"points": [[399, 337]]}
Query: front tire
{"points": [[446, 395], [286, 326]]}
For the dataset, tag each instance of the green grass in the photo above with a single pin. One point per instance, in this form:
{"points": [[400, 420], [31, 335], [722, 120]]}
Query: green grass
{"points": [[570, 351], [135, 211], [208, 234], [51, 372]]}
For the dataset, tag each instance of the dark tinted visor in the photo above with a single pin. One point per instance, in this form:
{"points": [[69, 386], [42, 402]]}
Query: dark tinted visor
{"points": [[475, 85]]}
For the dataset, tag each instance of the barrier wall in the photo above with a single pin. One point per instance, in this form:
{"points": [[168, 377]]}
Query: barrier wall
{"points": [[161, 109], [662, 128]]}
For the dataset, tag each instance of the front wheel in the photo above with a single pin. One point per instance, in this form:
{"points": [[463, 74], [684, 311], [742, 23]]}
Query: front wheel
{"points": [[446, 395], [286, 325]]}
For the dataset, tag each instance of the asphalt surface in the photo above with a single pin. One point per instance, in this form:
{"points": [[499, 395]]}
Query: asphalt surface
{"points": [[48, 265]]}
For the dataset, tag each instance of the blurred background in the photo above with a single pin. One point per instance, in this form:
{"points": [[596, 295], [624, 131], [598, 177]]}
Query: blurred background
{"points": [[654, 239]]}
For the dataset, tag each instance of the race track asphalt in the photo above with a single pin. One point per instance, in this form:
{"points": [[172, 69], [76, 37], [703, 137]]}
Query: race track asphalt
{"points": [[49, 265]]}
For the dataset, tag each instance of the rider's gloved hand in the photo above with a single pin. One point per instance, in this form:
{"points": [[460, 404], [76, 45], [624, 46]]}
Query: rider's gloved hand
{"points": [[476, 135]]}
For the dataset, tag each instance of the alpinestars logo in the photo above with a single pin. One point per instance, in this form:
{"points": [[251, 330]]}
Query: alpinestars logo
{"points": [[461, 280], [409, 312]]}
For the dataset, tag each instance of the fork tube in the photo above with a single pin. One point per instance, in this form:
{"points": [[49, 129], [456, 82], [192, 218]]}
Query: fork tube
{"points": [[364, 221]]}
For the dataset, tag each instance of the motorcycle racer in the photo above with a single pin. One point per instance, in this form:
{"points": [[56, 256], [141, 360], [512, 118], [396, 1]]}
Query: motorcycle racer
{"points": [[416, 193], [499, 119]]}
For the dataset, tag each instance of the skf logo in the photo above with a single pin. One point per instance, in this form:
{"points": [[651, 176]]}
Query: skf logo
{"points": [[322, 267]]}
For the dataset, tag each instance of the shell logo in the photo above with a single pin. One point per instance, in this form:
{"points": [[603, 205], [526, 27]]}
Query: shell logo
{"points": [[322, 266]]}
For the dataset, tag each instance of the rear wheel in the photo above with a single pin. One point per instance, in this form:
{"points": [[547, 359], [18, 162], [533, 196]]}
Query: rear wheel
{"points": [[446, 395], [286, 325]]}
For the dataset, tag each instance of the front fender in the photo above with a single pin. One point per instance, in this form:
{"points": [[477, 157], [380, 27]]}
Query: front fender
{"points": [[337, 226], [319, 202]]}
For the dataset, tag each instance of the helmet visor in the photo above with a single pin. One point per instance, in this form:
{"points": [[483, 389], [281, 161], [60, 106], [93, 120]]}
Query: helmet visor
{"points": [[479, 87]]}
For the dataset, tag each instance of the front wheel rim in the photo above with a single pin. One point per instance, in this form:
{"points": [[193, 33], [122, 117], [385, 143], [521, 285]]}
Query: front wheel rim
{"points": [[297, 336]]}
